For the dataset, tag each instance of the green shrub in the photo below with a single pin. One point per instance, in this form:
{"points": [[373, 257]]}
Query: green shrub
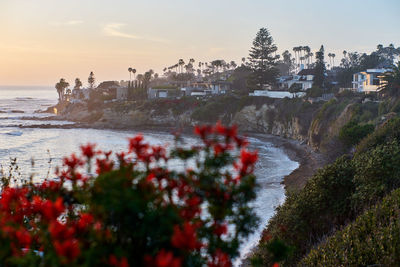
{"points": [[314, 92], [337, 194], [352, 132], [307, 216], [388, 132], [372, 240], [377, 173]]}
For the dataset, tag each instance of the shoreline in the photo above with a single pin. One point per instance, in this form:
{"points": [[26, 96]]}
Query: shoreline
{"points": [[309, 160]]}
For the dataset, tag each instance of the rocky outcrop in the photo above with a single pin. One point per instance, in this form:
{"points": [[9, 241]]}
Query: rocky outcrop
{"points": [[266, 120]]}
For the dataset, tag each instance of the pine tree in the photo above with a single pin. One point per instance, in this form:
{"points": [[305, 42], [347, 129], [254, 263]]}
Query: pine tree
{"points": [[263, 59], [91, 80], [320, 68]]}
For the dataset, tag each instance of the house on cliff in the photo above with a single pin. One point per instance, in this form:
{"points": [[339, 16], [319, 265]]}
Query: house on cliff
{"points": [[368, 81], [304, 79]]}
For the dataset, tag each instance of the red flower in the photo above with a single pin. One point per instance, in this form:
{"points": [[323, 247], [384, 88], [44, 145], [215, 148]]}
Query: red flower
{"points": [[72, 162], [69, 249], [220, 259], [113, 261], [61, 231], [220, 229], [88, 150], [248, 158], [24, 238], [228, 132], [84, 221], [167, 259], [203, 131], [185, 238], [104, 165], [51, 210]]}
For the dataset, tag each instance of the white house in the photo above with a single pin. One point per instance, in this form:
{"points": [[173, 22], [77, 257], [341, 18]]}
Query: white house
{"points": [[276, 94], [368, 81], [304, 78]]}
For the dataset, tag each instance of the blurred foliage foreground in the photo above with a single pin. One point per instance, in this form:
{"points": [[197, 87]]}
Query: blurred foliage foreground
{"points": [[136, 210]]}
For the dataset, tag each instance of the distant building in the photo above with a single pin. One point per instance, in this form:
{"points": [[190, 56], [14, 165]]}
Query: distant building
{"points": [[276, 94], [124, 83], [368, 81], [164, 92], [305, 78]]}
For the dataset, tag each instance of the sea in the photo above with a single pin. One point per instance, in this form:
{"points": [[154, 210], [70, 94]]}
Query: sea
{"points": [[38, 151]]}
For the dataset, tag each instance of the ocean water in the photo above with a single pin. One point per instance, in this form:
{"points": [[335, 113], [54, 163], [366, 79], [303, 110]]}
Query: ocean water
{"points": [[47, 147]]}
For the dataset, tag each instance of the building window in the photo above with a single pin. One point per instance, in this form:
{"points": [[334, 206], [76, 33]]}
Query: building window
{"points": [[375, 81]]}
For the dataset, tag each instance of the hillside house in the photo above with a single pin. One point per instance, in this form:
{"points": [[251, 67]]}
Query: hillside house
{"points": [[368, 81], [304, 78]]}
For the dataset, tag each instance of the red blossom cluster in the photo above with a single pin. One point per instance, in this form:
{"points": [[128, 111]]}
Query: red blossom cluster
{"points": [[136, 211]]}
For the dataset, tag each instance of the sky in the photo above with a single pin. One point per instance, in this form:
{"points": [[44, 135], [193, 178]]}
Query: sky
{"points": [[45, 40]]}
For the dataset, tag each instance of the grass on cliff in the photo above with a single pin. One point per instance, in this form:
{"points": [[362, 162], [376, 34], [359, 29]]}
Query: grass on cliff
{"points": [[337, 194]]}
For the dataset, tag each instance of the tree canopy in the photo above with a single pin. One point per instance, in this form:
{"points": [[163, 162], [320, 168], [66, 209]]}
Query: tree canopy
{"points": [[263, 59]]}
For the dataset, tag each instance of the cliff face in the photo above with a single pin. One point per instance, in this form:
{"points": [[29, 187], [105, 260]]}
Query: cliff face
{"points": [[316, 124], [260, 120]]}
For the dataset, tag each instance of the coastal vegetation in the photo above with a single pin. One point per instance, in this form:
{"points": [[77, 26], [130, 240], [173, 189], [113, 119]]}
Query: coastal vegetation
{"points": [[335, 196]]}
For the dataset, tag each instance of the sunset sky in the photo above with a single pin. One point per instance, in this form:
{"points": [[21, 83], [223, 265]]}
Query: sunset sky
{"points": [[44, 40]]}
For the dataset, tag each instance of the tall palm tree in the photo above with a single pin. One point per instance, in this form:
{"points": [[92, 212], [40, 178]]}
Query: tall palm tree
{"points": [[311, 56], [130, 74], [330, 56], [134, 73], [295, 55], [333, 59], [391, 81], [181, 63]]}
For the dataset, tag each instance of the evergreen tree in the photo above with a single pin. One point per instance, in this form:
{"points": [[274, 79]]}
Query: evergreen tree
{"points": [[91, 80], [320, 68], [263, 59]]}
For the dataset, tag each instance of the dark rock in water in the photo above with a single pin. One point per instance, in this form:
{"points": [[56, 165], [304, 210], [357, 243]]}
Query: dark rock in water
{"points": [[2, 111], [17, 111]]}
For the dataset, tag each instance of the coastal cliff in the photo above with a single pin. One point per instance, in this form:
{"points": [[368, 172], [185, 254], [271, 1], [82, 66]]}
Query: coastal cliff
{"points": [[314, 124]]}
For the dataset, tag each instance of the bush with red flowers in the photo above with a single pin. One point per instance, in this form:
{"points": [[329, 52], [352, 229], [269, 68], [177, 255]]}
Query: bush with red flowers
{"points": [[137, 210]]}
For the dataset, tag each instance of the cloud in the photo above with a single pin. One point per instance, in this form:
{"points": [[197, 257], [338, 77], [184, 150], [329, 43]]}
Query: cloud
{"points": [[114, 29], [67, 23]]}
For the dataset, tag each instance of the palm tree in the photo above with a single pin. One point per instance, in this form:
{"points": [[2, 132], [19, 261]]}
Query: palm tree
{"points": [[60, 86], [130, 74], [329, 55], [295, 55], [181, 63], [333, 59], [311, 56], [243, 60], [78, 83], [391, 81], [134, 73]]}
